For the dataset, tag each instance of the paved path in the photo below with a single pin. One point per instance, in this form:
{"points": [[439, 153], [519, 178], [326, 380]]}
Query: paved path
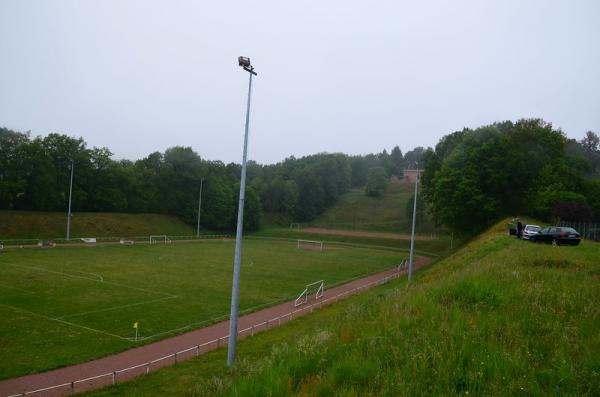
{"points": [[150, 357]]}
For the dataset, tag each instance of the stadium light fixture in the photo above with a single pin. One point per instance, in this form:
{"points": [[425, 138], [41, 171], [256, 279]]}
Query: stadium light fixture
{"points": [[414, 220], [244, 62]]}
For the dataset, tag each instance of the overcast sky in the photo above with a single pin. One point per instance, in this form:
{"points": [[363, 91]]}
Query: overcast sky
{"points": [[335, 76]]}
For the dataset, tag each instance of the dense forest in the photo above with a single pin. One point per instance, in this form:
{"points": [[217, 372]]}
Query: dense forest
{"points": [[35, 173], [474, 177], [471, 178]]}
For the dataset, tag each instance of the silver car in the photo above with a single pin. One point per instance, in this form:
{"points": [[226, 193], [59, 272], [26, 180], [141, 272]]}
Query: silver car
{"points": [[530, 230]]}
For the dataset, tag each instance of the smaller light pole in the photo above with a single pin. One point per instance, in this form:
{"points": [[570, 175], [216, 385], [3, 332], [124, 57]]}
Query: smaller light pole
{"points": [[235, 288], [414, 221], [70, 195], [199, 207]]}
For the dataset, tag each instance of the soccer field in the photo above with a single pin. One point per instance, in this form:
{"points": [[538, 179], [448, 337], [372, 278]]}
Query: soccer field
{"points": [[70, 304]]}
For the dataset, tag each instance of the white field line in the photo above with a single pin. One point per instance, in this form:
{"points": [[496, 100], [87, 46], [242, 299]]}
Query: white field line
{"points": [[91, 279], [108, 309], [17, 289], [210, 320], [62, 321], [99, 276]]}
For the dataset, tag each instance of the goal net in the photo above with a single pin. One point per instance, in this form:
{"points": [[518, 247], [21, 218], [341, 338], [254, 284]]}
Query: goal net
{"points": [[315, 289], [294, 225], [310, 245], [162, 239]]}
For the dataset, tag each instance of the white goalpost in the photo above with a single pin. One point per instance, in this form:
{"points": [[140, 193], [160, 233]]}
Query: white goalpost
{"points": [[294, 225], [162, 238], [310, 244], [317, 288]]}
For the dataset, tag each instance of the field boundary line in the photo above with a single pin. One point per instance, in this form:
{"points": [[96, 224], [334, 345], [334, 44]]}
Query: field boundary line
{"points": [[63, 321], [108, 309], [91, 279]]}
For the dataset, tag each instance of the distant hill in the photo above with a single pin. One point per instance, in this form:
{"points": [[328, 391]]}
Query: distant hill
{"points": [[34, 224], [355, 210]]}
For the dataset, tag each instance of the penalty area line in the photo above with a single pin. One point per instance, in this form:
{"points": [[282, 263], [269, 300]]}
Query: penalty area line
{"points": [[91, 279], [17, 309], [117, 307]]}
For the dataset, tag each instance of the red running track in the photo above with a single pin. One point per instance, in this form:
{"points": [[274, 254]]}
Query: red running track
{"points": [[140, 360]]}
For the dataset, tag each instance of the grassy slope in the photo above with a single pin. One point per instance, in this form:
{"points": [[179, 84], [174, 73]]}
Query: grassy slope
{"points": [[30, 224], [499, 317], [167, 288], [356, 210]]}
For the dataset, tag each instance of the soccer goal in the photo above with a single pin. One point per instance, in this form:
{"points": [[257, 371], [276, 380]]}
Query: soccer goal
{"points": [[295, 225], [163, 239], [317, 289], [311, 245]]}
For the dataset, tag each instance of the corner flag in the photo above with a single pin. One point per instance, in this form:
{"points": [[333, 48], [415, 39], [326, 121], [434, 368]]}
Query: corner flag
{"points": [[135, 325]]}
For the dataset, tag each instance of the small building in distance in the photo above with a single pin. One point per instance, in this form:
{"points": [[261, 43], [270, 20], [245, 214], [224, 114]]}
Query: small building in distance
{"points": [[411, 175]]}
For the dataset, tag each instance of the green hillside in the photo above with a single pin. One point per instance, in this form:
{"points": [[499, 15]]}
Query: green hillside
{"points": [[499, 317], [35, 224], [356, 210]]}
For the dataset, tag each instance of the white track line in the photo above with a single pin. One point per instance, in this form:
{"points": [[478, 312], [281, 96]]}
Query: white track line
{"points": [[63, 322], [117, 307]]}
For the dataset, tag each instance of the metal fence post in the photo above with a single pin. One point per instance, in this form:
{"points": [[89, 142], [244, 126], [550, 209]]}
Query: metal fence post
{"points": [[114, 377], [218, 342], [197, 350], [252, 331], [279, 321], [72, 388], [175, 357]]}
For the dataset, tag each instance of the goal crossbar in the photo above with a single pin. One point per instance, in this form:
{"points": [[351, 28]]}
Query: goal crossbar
{"points": [[303, 297], [312, 242], [160, 237]]}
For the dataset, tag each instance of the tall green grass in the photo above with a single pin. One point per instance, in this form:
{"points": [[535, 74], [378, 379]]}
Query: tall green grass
{"points": [[501, 317]]}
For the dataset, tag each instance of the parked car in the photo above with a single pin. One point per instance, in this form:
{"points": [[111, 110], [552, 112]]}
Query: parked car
{"points": [[557, 236], [530, 230]]}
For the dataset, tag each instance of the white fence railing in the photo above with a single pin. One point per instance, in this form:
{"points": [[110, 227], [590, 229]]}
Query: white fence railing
{"points": [[111, 378], [588, 230]]}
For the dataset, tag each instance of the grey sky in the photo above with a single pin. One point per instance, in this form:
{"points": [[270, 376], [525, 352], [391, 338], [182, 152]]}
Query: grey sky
{"points": [[354, 77]]}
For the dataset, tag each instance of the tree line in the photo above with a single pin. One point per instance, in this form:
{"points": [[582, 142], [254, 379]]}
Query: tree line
{"points": [[476, 176], [35, 174]]}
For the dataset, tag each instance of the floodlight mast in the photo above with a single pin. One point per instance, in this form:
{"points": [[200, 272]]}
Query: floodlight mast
{"points": [[70, 195], [414, 219], [244, 62], [199, 207]]}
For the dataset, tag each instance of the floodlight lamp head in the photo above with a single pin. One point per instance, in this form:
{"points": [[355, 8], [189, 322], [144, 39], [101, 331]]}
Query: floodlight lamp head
{"points": [[244, 62]]}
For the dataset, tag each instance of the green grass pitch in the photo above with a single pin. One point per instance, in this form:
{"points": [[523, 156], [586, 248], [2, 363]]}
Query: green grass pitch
{"points": [[66, 305]]}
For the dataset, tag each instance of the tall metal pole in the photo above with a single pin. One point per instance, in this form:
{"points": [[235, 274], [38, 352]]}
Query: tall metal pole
{"points": [[70, 195], [199, 208], [235, 289], [414, 220]]}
